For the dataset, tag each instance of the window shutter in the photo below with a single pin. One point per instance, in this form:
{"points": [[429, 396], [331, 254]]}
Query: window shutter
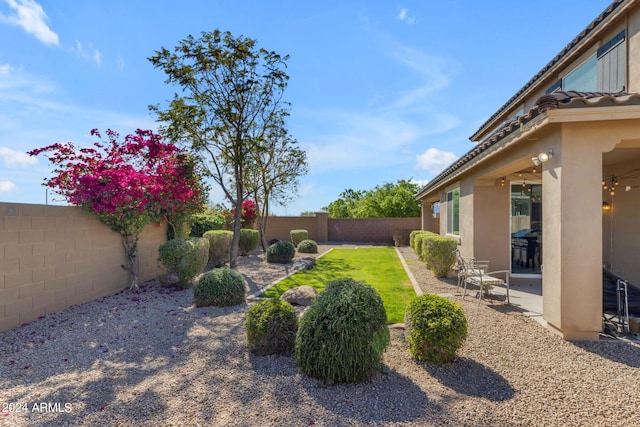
{"points": [[612, 64]]}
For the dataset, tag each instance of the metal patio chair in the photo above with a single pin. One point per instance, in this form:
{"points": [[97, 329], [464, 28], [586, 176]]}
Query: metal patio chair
{"points": [[484, 282], [468, 266]]}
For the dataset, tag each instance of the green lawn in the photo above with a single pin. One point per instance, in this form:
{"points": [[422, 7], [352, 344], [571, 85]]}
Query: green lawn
{"points": [[379, 267]]}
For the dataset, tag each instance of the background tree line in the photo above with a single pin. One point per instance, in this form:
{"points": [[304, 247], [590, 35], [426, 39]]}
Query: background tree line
{"points": [[383, 201]]}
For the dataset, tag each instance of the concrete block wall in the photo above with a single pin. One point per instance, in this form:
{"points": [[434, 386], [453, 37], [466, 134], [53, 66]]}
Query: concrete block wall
{"points": [[52, 257], [321, 228], [371, 230], [279, 227]]}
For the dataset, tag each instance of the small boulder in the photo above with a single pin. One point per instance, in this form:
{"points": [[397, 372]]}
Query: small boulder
{"points": [[306, 263], [302, 295]]}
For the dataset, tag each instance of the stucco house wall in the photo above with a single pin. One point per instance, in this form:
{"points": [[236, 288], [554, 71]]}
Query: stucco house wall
{"points": [[590, 136]]}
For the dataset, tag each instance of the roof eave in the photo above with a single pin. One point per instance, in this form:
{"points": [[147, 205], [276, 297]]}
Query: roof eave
{"points": [[612, 12]]}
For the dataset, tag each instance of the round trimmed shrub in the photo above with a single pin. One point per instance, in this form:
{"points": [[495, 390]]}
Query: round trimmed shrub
{"points": [[343, 334], [281, 252], [186, 256], [249, 239], [219, 246], [271, 327], [298, 236], [308, 247], [435, 328], [221, 287]]}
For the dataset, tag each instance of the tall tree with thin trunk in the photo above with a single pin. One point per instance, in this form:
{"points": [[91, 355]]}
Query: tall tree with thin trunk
{"points": [[231, 100], [273, 174]]}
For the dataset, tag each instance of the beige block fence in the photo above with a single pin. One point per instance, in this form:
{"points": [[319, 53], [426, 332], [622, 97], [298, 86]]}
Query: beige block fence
{"points": [[53, 257]]}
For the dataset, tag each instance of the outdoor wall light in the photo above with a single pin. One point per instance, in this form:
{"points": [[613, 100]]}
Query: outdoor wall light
{"points": [[542, 157]]}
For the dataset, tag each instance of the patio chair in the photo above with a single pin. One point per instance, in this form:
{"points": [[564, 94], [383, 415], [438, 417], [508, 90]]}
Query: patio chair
{"points": [[485, 280], [468, 266]]}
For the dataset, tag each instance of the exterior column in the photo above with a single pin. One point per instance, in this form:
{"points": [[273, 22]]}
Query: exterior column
{"points": [[572, 238], [427, 217], [323, 226]]}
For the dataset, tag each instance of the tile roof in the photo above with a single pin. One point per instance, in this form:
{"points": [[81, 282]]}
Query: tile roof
{"points": [[556, 100], [563, 53], [574, 99]]}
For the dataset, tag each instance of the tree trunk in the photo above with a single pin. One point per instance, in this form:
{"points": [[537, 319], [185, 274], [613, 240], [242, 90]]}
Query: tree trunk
{"points": [[237, 223], [130, 243], [262, 225]]}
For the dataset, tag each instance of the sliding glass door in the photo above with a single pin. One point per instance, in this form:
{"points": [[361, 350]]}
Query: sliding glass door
{"points": [[526, 228]]}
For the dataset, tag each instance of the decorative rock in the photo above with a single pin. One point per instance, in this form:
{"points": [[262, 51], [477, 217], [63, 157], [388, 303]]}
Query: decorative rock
{"points": [[306, 263], [302, 295], [169, 279]]}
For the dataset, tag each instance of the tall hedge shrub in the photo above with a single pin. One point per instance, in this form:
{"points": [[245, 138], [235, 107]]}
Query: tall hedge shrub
{"points": [[438, 253], [298, 236], [249, 239], [186, 256], [413, 235], [419, 243], [219, 246], [205, 221]]}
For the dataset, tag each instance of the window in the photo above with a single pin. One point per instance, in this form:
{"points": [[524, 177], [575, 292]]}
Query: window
{"points": [[584, 78], [557, 86], [605, 71], [435, 210], [453, 212]]}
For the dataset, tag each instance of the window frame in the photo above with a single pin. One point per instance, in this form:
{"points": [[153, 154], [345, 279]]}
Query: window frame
{"points": [[593, 60], [453, 217]]}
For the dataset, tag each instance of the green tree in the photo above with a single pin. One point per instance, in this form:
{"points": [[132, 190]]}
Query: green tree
{"points": [[346, 204], [231, 101], [273, 174], [384, 201]]}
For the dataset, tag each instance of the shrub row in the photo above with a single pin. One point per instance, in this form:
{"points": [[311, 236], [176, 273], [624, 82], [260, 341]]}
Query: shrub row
{"points": [[341, 337], [188, 256], [435, 250]]}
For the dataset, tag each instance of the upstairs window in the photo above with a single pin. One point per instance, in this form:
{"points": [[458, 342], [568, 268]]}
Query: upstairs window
{"points": [[584, 78], [603, 72]]}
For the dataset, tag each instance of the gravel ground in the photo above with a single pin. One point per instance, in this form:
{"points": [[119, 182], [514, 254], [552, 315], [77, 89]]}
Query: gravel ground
{"points": [[151, 358]]}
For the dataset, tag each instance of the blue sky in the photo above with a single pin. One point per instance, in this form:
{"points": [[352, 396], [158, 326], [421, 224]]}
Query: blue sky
{"points": [[380, 90]]}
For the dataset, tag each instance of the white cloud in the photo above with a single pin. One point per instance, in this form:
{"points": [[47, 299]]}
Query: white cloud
{"points": [[385, 135], [30, 16], [434, 74], [16, 159], [7, 186], [434, 160], [97, 57], [420, 182], [403, 15], [120, 63], [92, 54]]}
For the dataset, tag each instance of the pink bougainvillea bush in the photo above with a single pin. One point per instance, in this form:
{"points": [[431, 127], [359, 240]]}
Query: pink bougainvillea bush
{"points": [[249, 212], [127, 184]]}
